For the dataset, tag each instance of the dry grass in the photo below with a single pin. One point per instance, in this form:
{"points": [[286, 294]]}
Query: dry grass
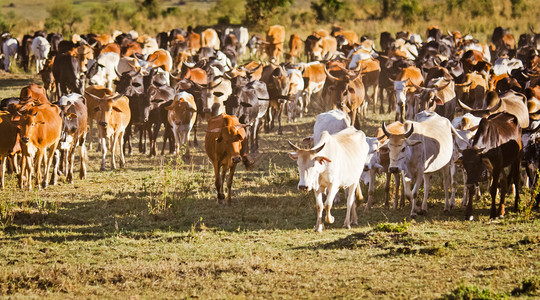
{"points": [[154, 230]]}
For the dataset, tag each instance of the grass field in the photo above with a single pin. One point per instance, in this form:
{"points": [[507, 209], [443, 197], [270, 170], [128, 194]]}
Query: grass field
{"points": [[154, 230]]}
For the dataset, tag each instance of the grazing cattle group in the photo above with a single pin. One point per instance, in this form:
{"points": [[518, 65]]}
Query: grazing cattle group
{"points": [[459, 104]]}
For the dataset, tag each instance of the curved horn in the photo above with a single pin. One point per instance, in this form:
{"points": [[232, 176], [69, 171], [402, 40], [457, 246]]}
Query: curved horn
{"points": [[214, 86], [464, 106], [117, 74], [293, 146], [467, 84], [318, 149], [443, 87], [411, 130], [385, 130], [330, 75], [417, 86], [92, 95], [496, 107]]}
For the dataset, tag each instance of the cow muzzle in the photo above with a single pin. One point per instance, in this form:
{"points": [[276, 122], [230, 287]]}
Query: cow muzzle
{"points": [[303, 187], [104, 124], [393, 170], [236, 159], [207, 110], [25, 139]]}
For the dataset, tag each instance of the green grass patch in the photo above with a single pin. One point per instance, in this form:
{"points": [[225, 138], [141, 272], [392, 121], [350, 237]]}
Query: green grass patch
{"points": [[392, 227]]}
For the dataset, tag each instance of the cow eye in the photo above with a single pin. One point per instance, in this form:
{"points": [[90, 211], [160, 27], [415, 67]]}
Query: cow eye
{"points": [[403, 149]]}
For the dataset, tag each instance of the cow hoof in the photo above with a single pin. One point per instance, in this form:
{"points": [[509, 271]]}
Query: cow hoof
{"points": [[102, 169], [346, 226], [330, 219], [446, 211], [422, 212], [319, 228], [469, 218], [413, 216]]}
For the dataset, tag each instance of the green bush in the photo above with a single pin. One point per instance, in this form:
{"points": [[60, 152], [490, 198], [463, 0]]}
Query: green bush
{"points": [[62, 18], [466, 292]]}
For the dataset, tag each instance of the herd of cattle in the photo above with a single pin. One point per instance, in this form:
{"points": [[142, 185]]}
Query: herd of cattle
{"points": [[457, 102]]}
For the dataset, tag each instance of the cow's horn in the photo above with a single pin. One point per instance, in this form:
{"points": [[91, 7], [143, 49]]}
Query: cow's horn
{"points": [[92, 95], [317, 150], [496, 107], [295, 148], [411, 130], [385, 130], [117, 74], [464, 106], [467, 84], [330, 75]]}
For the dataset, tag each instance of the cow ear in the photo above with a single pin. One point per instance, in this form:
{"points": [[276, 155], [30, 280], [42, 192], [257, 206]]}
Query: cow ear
{"points": [[245, 104], [116, 109], [15, 118], [71, 116], [293, 155], [322, 159], [487, 163], [116, 82], [170, 107], [218, 94], [191, 109], [158, 101]]}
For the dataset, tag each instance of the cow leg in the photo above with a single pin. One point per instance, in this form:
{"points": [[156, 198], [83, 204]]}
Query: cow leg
{"points": [[427, 186], [465, 189], [320, 206], [448, 204], [195, 126], [332, 190], [516, 181], [229, 183], [493, 192], [127, 140], [350, 204], [104, 148], [371, 189], [219, 183], [503, 189], [470, 197], [113, 143], [375, 96], [23, 170], [120, 141], [54, 155], [71, 160], [84, 158], [279, 113], [37, 166], [3, 171]]}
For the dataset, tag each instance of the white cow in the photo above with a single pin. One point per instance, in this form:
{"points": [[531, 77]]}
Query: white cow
{"points": [[296, 87], [332, 121], [426, 147], [466, 127], [337, 161], [40, 50], [372, 166], [242, 36], [9, 49], [504, 65], [103, 70]]}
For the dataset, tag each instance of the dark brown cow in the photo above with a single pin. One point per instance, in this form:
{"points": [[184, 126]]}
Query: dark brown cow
{"points": [[496, 145], [9, 143], [223, 143], [345, 90]]}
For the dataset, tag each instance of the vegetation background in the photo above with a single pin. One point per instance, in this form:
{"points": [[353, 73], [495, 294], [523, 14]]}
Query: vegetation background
{"points": [[154, 230], [370, 17]]}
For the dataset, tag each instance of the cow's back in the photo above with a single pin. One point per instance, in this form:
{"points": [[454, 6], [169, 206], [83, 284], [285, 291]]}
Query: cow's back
{"points": [[435, 132], [332, 121], [210, 143]]}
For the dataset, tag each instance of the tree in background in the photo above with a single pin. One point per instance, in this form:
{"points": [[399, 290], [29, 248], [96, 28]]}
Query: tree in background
{"points": [[62, 17], [258, 11], [327, 10]]}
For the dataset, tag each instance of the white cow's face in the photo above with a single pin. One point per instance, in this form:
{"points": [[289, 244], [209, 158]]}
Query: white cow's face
{"points": [[401, 92], [400, 152], [310, 165]]}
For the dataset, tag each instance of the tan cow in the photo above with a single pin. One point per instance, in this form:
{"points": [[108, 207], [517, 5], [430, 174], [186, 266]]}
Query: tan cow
{"points": [[181, 115], [210, 38], [274, 42], [9, 143], [223, 143], [112, 114]]}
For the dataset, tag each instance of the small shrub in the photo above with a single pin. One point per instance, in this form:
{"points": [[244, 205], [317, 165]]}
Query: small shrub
{"points": [[466, 292], [392, 227], [529, 286]]}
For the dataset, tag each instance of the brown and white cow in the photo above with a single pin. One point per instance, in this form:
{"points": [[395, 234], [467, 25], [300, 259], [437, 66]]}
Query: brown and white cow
{"points": [[404, 87], [295, 46], [182, 113], [210, 38], [223, 145]]}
